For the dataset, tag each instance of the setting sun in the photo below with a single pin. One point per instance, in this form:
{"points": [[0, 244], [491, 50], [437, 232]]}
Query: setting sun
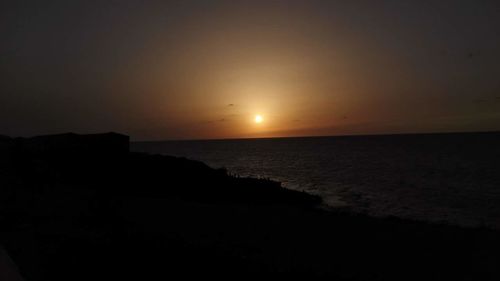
{"points": [[258, 119]]}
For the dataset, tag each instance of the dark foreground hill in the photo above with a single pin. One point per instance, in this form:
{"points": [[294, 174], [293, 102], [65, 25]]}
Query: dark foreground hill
{"points": [[84, 208]]}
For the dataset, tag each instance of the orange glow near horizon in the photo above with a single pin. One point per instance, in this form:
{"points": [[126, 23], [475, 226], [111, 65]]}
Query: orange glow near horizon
{"points": [[208, 71]]}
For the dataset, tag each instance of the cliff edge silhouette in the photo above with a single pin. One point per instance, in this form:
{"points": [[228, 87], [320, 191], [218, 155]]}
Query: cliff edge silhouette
{"points": [[82, 207]]}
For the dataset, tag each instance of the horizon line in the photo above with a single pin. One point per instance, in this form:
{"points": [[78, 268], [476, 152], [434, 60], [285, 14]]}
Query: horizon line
{"points": [[323, 136]]}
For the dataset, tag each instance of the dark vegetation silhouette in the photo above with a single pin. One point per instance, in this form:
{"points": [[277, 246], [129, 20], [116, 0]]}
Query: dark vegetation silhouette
{"points": [[82, 207]]}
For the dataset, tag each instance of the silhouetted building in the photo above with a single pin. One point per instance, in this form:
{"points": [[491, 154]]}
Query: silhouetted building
{"points": [[74, 144], [6, 144]]}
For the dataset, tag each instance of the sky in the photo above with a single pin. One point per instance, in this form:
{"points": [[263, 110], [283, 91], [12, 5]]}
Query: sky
{"points": [[204, 69]]}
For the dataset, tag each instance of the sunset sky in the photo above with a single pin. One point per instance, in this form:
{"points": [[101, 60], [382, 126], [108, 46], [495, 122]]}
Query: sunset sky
{"points": [[205, 69]]}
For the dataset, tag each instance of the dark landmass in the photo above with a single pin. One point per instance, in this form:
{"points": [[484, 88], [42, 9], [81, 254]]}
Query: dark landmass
{"points": [[84, 208]]}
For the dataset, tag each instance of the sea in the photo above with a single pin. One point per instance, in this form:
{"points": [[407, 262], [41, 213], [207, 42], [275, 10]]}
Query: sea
{"points": [[451, 178]]}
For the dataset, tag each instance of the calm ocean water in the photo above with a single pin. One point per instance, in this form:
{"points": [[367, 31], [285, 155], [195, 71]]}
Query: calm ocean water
{"points": [[453, 178]]}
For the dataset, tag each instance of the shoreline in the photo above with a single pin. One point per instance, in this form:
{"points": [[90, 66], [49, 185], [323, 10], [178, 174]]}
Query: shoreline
{"points": [[108, 214], [438, 178]]}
